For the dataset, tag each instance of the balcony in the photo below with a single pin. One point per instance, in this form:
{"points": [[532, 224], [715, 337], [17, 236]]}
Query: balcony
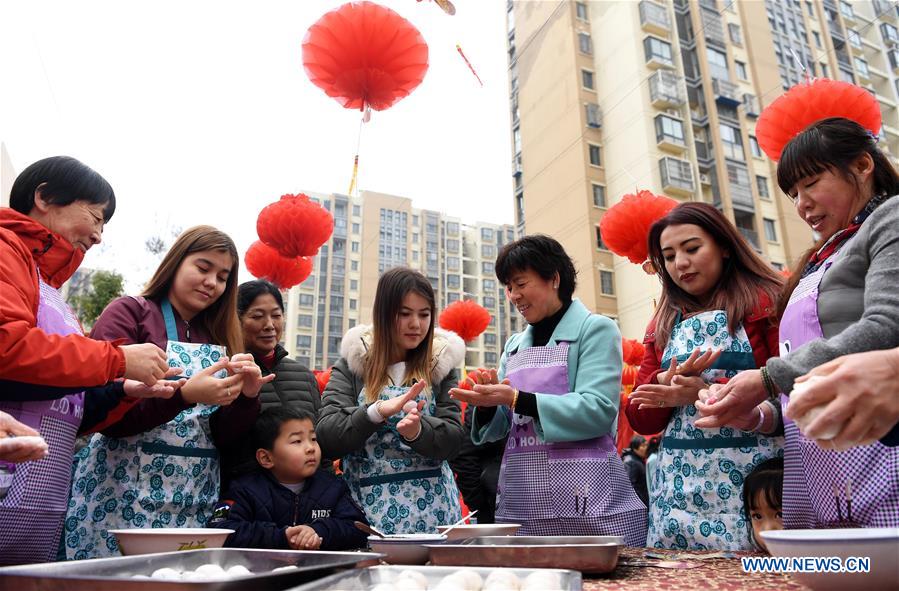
{"points": [[884, 9], [712, 25], [751, 105], [893, 56], [657, 53], [516, 164], [676, 176], [665, 90], [654, 18], [726, 93], [670, 134]]}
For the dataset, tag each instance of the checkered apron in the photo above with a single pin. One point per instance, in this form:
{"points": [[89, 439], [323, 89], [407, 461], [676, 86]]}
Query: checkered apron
{"points": [[31, 513], [818, 483], [568, 488]]}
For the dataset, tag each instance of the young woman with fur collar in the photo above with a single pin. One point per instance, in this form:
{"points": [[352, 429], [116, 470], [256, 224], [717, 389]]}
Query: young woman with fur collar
{"points": [[387, 411]]}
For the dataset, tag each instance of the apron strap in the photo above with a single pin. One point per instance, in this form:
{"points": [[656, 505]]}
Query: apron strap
{"points": [[171, 329], [710, 442], [399, 477], [178, 450]]}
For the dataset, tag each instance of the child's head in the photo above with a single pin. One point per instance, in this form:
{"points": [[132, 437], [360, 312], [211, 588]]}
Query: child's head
{"points": [[199, 276], [639, 446], [286, 444], [402, 327], [762, 493], [705, 263]]}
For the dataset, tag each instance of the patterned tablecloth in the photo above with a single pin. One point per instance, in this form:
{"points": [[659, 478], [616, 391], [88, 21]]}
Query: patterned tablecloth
{"points": [[714, 573]]}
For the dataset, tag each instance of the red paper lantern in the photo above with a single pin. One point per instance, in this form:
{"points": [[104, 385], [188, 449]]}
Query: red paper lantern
{"points": [[625, 226], [295, 226], [632, 351], [466, 318], [265, 263], [322, 376], [363, 53], [807, 103]]}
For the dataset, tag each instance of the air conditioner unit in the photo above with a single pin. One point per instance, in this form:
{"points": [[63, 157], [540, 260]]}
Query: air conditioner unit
{"points": [[673, 112], [705, 179]]}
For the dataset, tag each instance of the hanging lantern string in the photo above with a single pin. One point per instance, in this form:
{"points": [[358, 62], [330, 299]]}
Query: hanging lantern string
{"points": [[468, 63], [366, 115]]}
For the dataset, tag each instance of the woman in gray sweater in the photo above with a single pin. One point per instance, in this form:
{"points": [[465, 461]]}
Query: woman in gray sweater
{"points": [[842, 299]]}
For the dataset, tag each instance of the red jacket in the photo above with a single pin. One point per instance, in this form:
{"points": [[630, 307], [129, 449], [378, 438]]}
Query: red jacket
{"points": [[761, 328], [27, 353]]}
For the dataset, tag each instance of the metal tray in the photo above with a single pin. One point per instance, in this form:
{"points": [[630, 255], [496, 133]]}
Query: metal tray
{"points": [[365, 579], [114, 574], [589, 554]]}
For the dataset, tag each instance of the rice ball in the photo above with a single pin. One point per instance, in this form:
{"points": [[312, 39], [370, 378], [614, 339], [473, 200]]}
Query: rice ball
{"points": [[239, 570], [806, 419], [415, 576], [542, 581], [166, 574], [500, 580]]}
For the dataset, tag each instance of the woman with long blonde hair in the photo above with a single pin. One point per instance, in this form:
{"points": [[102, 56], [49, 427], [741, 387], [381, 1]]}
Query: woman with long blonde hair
{"points": [[387, 411], [157, 465]]}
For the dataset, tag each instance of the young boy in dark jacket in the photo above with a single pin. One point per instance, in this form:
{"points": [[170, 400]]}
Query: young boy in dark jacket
{"points": [[288, 502]]}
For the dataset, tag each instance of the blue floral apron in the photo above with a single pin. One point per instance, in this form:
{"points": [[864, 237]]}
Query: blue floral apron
{"points": [[823, 487], [697, 485], [567, 488], [400, 490], [165, 477], [32, 511]]}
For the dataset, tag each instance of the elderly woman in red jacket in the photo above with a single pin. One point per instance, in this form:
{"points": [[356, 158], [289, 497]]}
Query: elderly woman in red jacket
{"points": [[53, 379]]}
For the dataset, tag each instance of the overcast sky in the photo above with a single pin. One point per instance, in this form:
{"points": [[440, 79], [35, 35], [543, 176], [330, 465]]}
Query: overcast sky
{"points": [[200, 112]]}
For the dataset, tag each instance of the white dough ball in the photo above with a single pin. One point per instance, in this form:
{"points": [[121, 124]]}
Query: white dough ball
{"points": [[806, 419], [473, 581], [452, 582], [239, 570], [211, 571], [542, 581], [415, 576], [166, 574], [281, 569], [409, 584], [502, 579]]}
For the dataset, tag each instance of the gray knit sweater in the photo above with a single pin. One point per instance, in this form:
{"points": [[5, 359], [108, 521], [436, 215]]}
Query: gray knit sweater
{"points": [[858, 300]]}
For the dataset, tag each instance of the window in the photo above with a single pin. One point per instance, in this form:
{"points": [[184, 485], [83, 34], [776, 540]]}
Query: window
{"points": [[489, 302], [452, 244], [889, 33], [581, 11], [490, 358], [657, 50], [824, 70], [599, 243], [489, 338], [355, 228], [486, 268], [669, 129], [854, 38], [355, 247], [599, 195], [451, 297], [718, 64], [817, 38], [846, 10], [489, 285], [352, 304], [488, 251], [488, 235], [587, 79], [770, 230], [354, 265], [452, 228], [754, 147], [304, 341], [354, 284], [732, 142], [861, 66], [741, 70], [762, 184], [336, 302], [415, 221], [594, 155], [810, 8], [736, 36], [593, 117], [585, 44], [777, 266], [357, 211], [452, 263], [306, 299], [452, 281], [304, 321], [606, 283]]}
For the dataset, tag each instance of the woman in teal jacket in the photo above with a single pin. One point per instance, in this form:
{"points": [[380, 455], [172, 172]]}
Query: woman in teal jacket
{"points": [[556, 396]]}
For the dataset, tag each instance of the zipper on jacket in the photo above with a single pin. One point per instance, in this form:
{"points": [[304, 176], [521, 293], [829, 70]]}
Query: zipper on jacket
{"points": [[296, 508]]}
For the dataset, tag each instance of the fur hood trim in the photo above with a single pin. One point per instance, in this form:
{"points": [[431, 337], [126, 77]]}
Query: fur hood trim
{"points": [[448, 350]]}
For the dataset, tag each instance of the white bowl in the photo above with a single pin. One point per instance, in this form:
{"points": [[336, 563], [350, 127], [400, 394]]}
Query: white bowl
{"points": [[405, 548], [476, 530], [169, 539], [880, 544]]}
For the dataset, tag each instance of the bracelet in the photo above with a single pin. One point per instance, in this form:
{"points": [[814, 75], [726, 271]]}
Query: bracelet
{"points": [[514, 400], [768, 382], [761, 418]]}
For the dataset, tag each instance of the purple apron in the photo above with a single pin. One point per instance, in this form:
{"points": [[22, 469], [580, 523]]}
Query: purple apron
{"points": [[820, 483], [31, 514], [567, 488]]}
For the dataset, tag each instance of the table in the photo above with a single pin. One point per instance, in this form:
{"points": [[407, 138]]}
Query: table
{"points": [[715, 573]]}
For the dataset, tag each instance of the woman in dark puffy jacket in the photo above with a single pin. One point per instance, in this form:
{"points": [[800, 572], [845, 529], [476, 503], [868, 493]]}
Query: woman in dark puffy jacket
{"points": [[261, 312]]}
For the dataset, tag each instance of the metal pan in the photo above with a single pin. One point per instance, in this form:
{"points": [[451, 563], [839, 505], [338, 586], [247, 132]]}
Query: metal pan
{"points": [[365, 579], [589, 554], [116, 574]]}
